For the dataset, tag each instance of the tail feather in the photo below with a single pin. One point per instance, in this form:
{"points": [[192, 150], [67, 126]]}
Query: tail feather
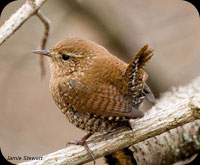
{"points": [[136, 77]]}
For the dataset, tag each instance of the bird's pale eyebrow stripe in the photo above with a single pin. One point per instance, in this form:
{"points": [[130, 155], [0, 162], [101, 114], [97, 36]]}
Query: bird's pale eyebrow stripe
{"points": [[72, 55]]}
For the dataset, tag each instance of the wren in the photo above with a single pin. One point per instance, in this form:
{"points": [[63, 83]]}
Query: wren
{"points": [[95, 90]]}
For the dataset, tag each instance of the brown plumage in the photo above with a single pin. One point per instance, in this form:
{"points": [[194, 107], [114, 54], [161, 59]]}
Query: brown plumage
{"points": [[95, 90]]}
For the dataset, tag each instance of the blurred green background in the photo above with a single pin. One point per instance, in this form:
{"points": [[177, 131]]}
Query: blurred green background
{"points": [[30, 122]]}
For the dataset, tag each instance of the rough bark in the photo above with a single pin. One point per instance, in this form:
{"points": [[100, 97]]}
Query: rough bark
{"points": [[170, 147]]}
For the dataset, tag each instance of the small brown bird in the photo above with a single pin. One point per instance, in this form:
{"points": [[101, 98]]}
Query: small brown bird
{"points": [[94, 89]]}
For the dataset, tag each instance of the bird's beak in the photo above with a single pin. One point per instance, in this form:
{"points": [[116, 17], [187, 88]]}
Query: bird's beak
{"points": [[42, 52]]}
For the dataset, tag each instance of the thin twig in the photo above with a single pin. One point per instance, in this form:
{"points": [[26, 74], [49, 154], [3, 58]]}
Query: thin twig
{"points": [[43, 42], [28, 9]]}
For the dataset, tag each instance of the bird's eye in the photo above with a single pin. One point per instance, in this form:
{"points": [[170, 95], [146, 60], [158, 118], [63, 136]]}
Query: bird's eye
{"points": [[65, 57]]}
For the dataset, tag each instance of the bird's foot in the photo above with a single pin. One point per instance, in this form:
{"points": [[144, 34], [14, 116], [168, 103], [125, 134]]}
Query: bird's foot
{"points": [[82, 142]]}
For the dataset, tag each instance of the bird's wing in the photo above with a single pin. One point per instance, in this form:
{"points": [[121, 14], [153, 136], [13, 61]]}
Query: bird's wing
{"points": [[104, 100]]}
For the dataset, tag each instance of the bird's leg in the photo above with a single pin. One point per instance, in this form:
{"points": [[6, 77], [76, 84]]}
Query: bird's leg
{"points": [[82, 142]]}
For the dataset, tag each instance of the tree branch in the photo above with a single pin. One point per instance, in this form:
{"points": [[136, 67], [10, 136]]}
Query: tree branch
{"points": [[165, 115], [170, 147], [17, 19]]}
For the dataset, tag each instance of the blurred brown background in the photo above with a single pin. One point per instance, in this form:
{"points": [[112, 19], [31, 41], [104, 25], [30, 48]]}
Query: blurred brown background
{"points": [[30, 122]]}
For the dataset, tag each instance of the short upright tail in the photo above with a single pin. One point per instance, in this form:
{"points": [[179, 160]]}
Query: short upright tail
{"points": [[138, 62], [135, 75]]}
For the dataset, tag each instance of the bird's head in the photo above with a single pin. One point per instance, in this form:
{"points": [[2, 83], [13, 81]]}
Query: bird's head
{"points": [[72, 56]]}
